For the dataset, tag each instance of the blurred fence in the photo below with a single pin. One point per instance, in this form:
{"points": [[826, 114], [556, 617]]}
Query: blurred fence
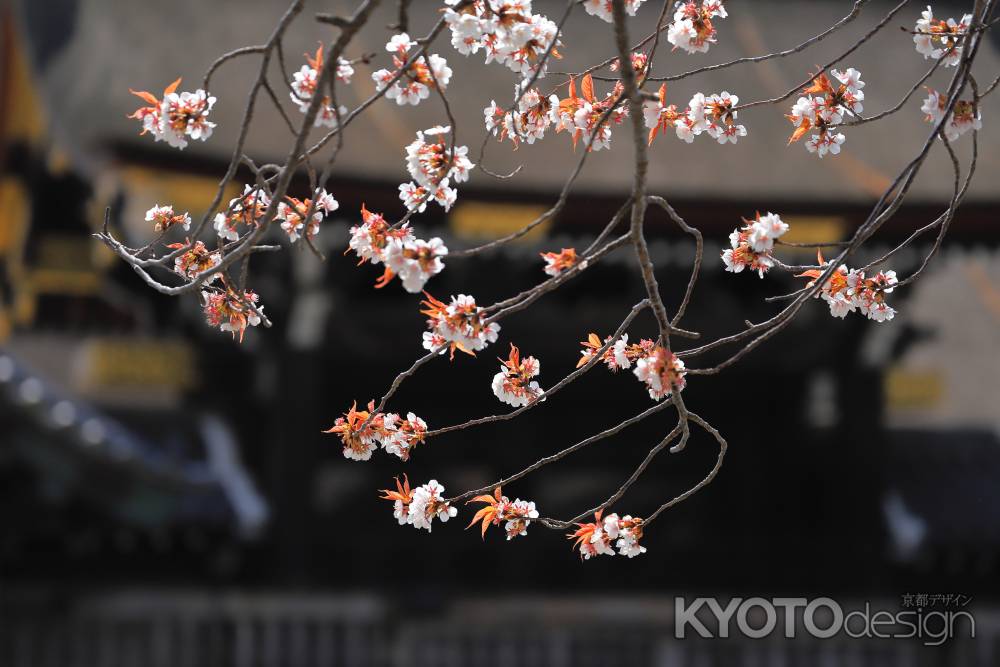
{"points": [[161, 629]]}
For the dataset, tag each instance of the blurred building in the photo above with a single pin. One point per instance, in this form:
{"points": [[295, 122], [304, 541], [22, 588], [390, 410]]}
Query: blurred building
{"points": [[147, 463]]}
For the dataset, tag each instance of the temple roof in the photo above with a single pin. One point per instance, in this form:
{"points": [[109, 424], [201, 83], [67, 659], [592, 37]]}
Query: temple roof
{"points": [[86, 88]]}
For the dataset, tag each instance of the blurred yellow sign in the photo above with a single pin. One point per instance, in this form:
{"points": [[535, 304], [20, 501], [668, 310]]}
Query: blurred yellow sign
{"points": [[813, 229], [490, 220], [117, 363], [908, 389], [185, 192]]}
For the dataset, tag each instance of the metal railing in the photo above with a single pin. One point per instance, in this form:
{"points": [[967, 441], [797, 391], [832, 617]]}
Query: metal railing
{"points": [[205, 629]]}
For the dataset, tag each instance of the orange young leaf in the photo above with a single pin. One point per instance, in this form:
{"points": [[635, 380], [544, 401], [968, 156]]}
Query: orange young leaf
{"points": [[587, 86], [385, 278], [814, 273], [800, 130], [461, 348], [145, 96], [488, 514], [316, 62], [402, 492], [820, 84]]}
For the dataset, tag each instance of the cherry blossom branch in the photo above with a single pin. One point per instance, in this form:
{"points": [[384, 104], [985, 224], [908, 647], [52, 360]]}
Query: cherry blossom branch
{"points": [[529, 296], [226, 57], [698, 254], [723, 446], [610, 61], [505, 308], [815, 39], [638, 213], [402, 23], [349, 27], [555, 208], [950, 213], [899, 105], [617, 495], [526, 85], [280, 108], [641, 161], [990, 88], [660, 20], [463, 325], [616, 220], [424, 44], [563, 453], [871, 33], [878, 216], [293, 10], [636, 309]]}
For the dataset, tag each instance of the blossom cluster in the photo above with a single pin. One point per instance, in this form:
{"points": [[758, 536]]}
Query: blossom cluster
{"points": [[659, 369], [752, 244], [940, 39], [640, 65], [965, 115], [557, 262], [516, 515], [195, 259], [602, 8], [364, 431], [847, 290], [420, 506], [692, 29], [304, 84], [514, 384], [617, 356], [163, 218], [459, 325], [607, 533], [177, 117], [506, 31], [228, 310], [434, 162], [413, 260], [413, 80], [714, 115], [585, 116], [662, 371], [296, 221], [370, 239], [590, 118], [533, 115], [247, 210], [824, 107]]}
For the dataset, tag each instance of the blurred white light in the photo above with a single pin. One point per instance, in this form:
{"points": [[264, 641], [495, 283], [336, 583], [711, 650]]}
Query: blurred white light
{"points": [[92, 431], [31, 390], [63, 413]]}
